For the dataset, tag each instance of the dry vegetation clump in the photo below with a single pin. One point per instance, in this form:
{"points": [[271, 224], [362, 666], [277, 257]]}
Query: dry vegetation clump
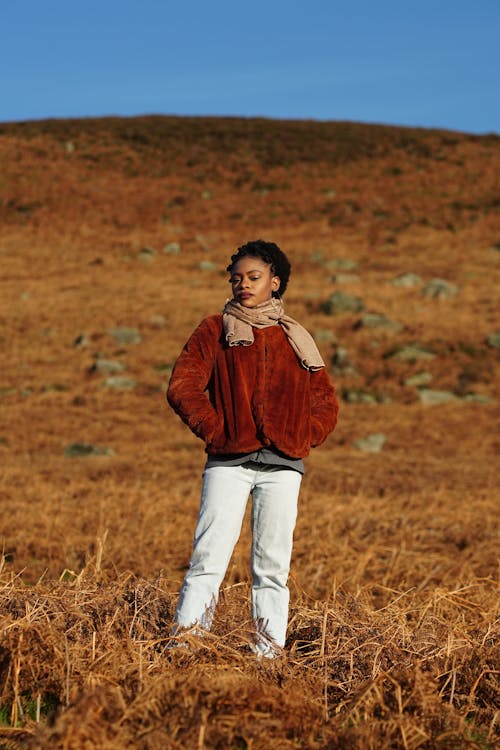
{"points": [[394, 624], [84, 665]]}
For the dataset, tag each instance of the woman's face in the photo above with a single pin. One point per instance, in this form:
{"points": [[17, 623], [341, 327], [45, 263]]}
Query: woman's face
{"points": [[252, 281]]}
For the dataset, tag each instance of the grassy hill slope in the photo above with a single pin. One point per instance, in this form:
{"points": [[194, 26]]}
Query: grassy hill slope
{"points": [[128, 223]]}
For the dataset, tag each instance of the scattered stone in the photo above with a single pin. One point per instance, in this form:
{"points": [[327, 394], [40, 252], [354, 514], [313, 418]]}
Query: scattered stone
{"points": [[407, 280], [172, 248], [81, 341], [147, 254], [493, 340], [120, 382], [206, 195], [54, 388], [410, 353], [79, 450], [375, 320], [419, 379], [383, 398], [69, 147], [342, 264], [346, 278], [439, 289], [165, 368], [107, 366], [125, 335], [324, 334], [340, 302], [157, 321], [341, 362], [358, 396], [371, 443], [477, 398], [25, 296], [206, 265], [432, 398]]}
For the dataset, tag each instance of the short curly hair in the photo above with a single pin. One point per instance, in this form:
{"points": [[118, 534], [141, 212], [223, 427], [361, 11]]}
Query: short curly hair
{"points": [[270, 253]]}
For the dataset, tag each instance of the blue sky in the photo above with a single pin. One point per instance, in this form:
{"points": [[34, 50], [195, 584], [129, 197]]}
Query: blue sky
{"points": [[430, 63]]}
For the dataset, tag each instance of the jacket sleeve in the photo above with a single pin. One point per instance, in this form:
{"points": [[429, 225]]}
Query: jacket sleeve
{"points": [[324, 407], [187, 388]]}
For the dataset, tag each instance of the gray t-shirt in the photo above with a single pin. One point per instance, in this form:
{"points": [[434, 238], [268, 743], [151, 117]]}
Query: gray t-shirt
{"points": [[264, 456]]}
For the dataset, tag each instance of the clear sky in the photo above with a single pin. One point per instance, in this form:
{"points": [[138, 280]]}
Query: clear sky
{"points": [[431, 63]]}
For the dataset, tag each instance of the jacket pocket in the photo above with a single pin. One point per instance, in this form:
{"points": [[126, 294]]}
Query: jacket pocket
{"points": [[218, 439]]}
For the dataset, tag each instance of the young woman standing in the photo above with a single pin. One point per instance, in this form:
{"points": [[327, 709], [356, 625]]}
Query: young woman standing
{"points": [[251, 383]]}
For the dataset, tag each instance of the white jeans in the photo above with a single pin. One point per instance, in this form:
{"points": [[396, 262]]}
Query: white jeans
{"points": [[224, 497]]}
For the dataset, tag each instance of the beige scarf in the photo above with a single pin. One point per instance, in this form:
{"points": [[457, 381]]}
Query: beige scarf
{"points": [[239, 320]]}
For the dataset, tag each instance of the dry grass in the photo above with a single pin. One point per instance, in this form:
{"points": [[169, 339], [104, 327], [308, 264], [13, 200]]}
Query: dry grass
{"points": [[394, 625], [420, 671]]}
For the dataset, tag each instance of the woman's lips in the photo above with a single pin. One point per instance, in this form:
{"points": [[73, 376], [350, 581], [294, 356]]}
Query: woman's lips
{"points": [[245, 295]]}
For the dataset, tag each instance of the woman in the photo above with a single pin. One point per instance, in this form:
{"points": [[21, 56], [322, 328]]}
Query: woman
{"points": [[251, 383]]}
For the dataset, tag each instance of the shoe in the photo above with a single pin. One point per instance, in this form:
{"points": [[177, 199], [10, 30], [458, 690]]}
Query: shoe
{"points": [[264, 648], [177, 643]]}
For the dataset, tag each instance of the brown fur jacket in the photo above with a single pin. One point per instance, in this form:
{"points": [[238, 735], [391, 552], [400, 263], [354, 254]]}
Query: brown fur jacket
{"points": [[241, 398]]}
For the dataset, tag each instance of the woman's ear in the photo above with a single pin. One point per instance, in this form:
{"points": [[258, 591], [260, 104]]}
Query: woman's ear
{"points": [[276, 283]]}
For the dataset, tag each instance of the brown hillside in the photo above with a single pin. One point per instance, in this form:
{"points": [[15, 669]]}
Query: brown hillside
{"points": [[393, 637]]}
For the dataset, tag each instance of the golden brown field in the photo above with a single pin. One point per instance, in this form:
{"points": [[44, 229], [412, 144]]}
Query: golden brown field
{"points": [[394, 624]]}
